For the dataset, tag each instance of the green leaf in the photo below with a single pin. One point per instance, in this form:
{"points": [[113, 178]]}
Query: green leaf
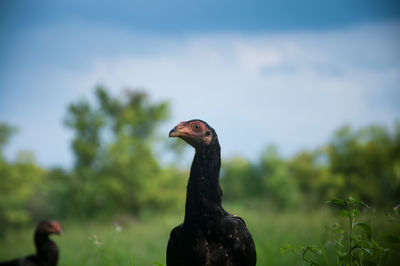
{"points": [[386, 250], [355, 212], [290, 249], [367, 250], [344, 213], [350, 200], [366, 228], [333, 227], [314, 249], [337, 201], [362, 203]]}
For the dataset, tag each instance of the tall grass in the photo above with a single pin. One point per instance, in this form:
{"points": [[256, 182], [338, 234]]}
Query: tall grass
{"points": [[143, 241]]}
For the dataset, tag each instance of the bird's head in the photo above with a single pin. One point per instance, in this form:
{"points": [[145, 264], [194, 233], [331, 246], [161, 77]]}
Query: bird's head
{"points": [[49, 227], [196, 133]]}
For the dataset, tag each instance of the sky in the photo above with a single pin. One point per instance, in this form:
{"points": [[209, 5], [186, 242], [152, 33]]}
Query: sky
{"points": [[259, 72]]}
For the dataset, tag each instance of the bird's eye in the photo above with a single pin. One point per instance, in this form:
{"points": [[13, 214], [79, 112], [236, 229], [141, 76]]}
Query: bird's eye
{"points": [[196, 126]]}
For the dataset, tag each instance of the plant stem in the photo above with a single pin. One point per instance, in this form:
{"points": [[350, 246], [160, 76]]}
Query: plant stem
{"points": [[350, 234], [323, 252]]}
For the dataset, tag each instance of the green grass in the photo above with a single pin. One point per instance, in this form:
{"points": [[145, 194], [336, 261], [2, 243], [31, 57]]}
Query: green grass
{"points": [[143, 241]]}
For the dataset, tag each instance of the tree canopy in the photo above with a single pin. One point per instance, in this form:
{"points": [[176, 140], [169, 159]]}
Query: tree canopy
{"points": [[117, 167]]}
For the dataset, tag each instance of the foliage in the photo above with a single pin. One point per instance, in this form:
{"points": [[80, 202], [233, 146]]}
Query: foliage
{"points": [[364, 163], [368, 161], [361, 247], [115, 169], [19, 189], [280, 187], [267, 179], [354, 242], [238, 177], [391, 233], [303, 250], [6, 131], [143, 241]]}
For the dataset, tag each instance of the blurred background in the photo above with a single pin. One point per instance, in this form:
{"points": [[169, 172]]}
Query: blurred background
{"points": [[304, 96]]}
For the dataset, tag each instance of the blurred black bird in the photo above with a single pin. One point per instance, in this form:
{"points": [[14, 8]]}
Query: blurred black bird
{"points": [[209, 235], [46, 249]]}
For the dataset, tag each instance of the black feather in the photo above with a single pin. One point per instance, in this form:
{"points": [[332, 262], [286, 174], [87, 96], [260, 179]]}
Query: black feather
{"points": [[46, 252], [209, 235]]}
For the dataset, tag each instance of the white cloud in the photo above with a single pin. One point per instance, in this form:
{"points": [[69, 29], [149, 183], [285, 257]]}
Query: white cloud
{"points": [[292, 89]]}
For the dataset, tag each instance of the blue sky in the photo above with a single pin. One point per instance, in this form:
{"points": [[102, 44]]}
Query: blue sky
{"points": [[283, 72]]}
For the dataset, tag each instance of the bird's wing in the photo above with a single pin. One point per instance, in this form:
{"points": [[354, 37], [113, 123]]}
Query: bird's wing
{"points": [[27, 261], [173, 247], [241, 244]]}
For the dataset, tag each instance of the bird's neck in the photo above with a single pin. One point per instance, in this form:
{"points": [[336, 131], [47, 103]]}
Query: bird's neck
{"points": [[46, 249], [203, 198]]}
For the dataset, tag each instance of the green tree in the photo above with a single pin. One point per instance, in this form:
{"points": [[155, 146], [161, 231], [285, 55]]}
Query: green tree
{"points": [[238, 179], [115, 168], [20, 186], [311, 171], [6, 131], [368, 160], [277, 182]]}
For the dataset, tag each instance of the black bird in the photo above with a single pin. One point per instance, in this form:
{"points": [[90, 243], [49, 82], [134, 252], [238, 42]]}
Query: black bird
{"points": [[209, 235], [46, 250]]}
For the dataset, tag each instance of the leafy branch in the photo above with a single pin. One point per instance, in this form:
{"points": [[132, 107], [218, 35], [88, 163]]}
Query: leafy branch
{"points": [[354, 242]]}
